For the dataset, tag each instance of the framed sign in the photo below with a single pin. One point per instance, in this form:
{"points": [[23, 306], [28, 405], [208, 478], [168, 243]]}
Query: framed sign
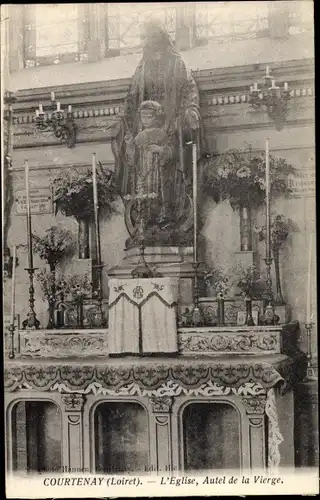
{"points": [[40, 201]]}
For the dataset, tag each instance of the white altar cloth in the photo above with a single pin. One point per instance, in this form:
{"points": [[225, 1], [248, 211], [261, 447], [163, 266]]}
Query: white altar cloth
{"points": [[142, 315]]}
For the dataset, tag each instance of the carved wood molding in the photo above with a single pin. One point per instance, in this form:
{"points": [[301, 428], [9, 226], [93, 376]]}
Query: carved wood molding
{"points": [[73, 402]]}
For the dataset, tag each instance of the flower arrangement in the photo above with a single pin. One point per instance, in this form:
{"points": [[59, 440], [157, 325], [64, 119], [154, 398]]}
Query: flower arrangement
{"points": [[281, 227], [56, 244], [251, 282], [218, 280], [239, 176], [50, 284], [73, 192]]}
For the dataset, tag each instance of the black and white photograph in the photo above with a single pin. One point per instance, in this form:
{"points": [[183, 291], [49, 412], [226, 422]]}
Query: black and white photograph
{"points": [[159, 249]]}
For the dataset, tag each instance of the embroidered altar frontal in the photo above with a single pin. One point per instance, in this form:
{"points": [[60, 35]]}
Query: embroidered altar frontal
{"points": [[142, 316]]}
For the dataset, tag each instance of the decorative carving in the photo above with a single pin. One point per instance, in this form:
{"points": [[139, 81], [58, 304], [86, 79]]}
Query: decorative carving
{"points": [[169, 388], [213, 342], [161, 404], [63, 345], [255, 422], [187, 374], [254, 404], [73, 402]]}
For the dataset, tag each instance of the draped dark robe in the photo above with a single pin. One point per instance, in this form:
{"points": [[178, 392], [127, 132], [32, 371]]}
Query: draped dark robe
{"points": [[163, 79]]}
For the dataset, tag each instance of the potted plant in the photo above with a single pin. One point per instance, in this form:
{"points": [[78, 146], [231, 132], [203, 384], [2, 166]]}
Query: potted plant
{"points": [[252, 284], [281, 227], [56, 244], [73, 196], [218, 280], [239, 176], [79, 287]]}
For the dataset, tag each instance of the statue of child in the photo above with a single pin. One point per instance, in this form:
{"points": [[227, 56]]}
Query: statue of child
{"points": [[148, 154]]}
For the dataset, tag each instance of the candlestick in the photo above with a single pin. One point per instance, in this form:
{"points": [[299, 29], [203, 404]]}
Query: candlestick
{"points": [[69, 108], [273, 84], [195, 201], [37, 113], [268, 235], [32, 321], [308, 312], [40, 109], [58, 106], [13, 304], [95, 205], [267, 71], [52, 97], [251, 88], [29, 233], [310, 375], [13, 282]]}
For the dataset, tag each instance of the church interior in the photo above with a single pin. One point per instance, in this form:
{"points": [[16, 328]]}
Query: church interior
{"points": [[159, 254]]}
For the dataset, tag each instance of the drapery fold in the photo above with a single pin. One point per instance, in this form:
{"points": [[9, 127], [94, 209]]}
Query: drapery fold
{"points": [[142, 316]]}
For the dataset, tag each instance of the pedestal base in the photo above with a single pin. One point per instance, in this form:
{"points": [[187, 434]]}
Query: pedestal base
{"points": [[170, 262]]}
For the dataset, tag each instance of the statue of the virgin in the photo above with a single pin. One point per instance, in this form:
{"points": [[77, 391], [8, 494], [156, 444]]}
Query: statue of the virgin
{"points": [[162, 78]]}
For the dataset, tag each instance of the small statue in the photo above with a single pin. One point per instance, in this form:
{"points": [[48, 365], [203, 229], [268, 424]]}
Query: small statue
{"points": [[31, 323], [148, 155]]}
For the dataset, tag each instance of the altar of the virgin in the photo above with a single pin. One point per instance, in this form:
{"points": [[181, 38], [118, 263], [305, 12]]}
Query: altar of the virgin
{"points": [[160, 293]]}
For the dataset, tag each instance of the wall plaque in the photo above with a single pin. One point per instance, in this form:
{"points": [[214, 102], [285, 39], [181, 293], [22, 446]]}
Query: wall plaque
{"points": [[303, 183], [40, 201]]}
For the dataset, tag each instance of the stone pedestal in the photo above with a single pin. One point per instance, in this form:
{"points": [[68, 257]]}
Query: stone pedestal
{"points": [[170, 262]]}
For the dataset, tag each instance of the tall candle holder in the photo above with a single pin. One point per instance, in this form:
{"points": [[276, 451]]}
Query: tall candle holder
{"points": [[197, 316], [11, 337], [31, 322], [310, 375]]}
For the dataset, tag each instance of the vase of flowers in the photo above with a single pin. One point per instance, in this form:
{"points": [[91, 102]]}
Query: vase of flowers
{"points": [[219, 281], [56, 244], [50, 283], [239, 177], [252, 284], [79, 287], [73, 196], [281, 227]]}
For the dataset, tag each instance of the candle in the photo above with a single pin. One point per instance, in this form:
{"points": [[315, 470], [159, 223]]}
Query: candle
{"points": [[273, 84], [37, 113], [255, 86], [285, 86], [40, 109], [52, 96], [267, 71], [308, 312], [268, 235], [29, 233], [95, 205], [13, 297], [195, 196], [251, 88], [69, 108], [58, 106]]}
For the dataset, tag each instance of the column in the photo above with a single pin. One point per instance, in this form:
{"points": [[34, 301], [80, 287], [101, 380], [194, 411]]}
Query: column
{"points": [[72, 426], [96, 42], [185, 26], [255, 410], [160, 430]]}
